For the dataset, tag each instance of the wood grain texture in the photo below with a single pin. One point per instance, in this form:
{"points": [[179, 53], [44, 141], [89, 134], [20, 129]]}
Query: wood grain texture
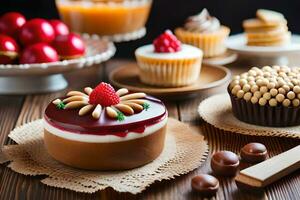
{"points": [[16, 186]]}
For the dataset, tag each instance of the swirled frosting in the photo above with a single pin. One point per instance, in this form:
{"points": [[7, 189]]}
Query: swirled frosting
{"points": [[202, 22]]}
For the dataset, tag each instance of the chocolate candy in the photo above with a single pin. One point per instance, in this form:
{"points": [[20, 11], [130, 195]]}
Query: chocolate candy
{"points": [[225, 163], [205, 184], [254, 152]]}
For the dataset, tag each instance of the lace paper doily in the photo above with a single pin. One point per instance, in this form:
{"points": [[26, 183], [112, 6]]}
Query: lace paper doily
{"points": [[29, 157], [216, 110]]}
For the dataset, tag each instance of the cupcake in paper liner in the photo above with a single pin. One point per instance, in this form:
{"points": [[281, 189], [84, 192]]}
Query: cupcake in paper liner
{"points": [[204, 32], [267, 97], [168, 63]]}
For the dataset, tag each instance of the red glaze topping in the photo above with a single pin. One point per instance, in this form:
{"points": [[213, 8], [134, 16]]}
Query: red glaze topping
{"points": [[167, 43], [69, 120]]}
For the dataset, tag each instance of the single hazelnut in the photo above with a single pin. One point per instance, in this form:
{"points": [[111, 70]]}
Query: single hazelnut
{"points": [[273, 102], [296, 102], [240, 94], [257, 94], [296, 89], [281, 91], [262, 101], [271, 85], [263, 89], [286, 102], [267, 96], [254, 100], [246, 87], [248, 96], [273, 92], [243, 82], [254, 88], [280, 97], [286, 88], [291, 95]]}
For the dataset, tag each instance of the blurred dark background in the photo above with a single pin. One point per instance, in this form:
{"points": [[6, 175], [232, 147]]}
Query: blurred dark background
{"points": [[168, 14]]}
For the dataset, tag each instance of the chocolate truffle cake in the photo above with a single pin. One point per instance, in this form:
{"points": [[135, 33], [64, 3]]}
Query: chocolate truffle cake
{"points": [[101, 129], [268, 97]]}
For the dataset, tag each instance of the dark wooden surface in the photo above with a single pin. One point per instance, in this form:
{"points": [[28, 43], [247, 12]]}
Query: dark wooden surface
{"points": [[17, 110]]}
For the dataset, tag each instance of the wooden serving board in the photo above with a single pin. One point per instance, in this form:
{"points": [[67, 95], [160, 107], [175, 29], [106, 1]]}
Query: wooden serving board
{"points": [[210, 76]]}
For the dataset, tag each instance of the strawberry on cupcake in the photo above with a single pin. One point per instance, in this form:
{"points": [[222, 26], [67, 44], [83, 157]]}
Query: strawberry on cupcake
{"points": [[169, 63]]}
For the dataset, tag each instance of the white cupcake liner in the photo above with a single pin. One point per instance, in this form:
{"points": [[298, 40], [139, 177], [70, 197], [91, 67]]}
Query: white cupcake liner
{"points": [[169, 73]]}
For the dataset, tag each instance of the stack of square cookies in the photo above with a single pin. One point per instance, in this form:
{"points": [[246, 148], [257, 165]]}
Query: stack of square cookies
{"points": [[268, 29]]}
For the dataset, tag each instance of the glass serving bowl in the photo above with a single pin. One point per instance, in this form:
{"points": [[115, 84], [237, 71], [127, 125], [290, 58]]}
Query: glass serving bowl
{"points": [[104, 17]]}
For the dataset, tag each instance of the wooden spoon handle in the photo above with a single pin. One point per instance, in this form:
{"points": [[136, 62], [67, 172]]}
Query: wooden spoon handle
{"points": [[265, 173]]}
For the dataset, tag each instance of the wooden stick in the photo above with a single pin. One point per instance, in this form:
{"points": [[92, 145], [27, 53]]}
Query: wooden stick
{"points": [[269, 171]]}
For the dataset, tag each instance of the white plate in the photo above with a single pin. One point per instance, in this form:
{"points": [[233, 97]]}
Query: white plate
{"points": [[237, 43], [227, 58]]}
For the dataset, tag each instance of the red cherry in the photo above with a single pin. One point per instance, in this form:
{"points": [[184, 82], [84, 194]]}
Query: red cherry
{"points": [[59, 27], [69, 46], [8, 49], [38, 53], [36, 31], [11, 22]]}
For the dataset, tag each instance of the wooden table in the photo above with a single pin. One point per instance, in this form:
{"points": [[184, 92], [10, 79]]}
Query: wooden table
{"points": [[17, 110]]}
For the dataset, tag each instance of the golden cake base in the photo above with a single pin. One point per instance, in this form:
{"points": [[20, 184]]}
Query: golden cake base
{"points": [[106, 155]]}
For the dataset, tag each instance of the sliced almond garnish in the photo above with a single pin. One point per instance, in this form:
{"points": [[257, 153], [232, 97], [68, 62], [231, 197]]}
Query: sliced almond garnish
{"points": [[88, 90], [76, 93], [56, 101], [133, 96], [138, 101], [86, 109], [122, 92], [134, 106], [124, 109], [75, 98], [111, 112], [75, 104], [97, 112]]}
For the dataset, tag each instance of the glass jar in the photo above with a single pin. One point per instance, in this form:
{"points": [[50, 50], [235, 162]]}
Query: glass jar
{"points": [[104, 17]]}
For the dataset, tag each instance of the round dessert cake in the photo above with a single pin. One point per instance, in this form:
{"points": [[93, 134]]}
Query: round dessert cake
{"points": [[268, 97], [104, 129]]}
